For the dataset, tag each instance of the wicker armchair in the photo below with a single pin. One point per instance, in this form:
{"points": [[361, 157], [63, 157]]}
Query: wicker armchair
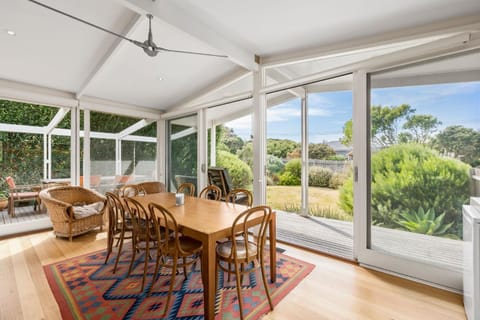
{"points": [[60, 203]]}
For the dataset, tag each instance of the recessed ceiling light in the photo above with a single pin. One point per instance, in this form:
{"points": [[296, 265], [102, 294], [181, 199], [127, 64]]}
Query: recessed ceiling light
{"points": [[159, 78], [11, 32]]}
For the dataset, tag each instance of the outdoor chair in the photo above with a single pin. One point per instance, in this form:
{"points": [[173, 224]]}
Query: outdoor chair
{"points": [[219, 177], [244, 249], [21, 193], [211, 192], [152, 187], [172, 247], [74, 210]]}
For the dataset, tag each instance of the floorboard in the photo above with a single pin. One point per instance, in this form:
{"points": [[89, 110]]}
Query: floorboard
{"points": [[334, 290]]}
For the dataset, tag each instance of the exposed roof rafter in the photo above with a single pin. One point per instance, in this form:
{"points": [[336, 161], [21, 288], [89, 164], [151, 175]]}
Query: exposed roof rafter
{"points": [[132, 25]]}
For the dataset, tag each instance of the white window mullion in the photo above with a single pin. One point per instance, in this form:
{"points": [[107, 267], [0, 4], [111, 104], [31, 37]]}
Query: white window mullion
{"points": [[259, 138], [86, 149], [304, 143]]}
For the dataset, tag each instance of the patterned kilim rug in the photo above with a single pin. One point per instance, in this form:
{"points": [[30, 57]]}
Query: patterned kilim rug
{"points": [[86, 288]]}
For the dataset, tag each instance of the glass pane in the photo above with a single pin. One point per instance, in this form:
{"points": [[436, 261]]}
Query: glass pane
{"points": [[182, 154], [283, 160], [139, 160], [425, 140], [330, 158], [61, 143]]}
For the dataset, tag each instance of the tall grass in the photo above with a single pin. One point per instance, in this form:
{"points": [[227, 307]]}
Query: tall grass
{"points": [[319, 211]]}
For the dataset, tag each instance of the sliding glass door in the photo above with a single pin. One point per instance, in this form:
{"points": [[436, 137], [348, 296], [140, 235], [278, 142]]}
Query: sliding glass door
{"points": [[309, 165], [424, 142]]}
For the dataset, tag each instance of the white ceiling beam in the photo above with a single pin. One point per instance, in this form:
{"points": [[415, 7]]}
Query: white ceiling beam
{"points": [[190, 24], [280, 76], [56, 120], [451, 26], [223, 83], [107, 57], [134, 127]]}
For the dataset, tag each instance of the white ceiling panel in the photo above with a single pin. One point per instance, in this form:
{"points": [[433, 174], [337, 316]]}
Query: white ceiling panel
{"points": [[51, 50], [162, 81], [272, 27]]}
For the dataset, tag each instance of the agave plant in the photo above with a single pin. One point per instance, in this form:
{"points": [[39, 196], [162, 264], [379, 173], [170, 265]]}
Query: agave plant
{"points": [[425, 222]]}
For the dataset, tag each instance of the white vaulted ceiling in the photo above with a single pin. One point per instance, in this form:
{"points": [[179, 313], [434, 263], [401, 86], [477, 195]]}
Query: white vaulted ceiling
{"points": [[55, 52]]}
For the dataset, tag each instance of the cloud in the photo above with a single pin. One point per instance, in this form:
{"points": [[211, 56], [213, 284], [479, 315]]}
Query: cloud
{"points": [[240, 123]]}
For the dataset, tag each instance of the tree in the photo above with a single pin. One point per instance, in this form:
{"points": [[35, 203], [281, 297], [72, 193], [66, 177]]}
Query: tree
{"points": [[386, 129], [422, 127], [281, 147], [320, 151], [385, 122], [463, 143], [240, 173], [246, 153], [231, 140]]}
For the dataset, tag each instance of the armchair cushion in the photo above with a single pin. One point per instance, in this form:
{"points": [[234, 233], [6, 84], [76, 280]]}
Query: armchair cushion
{"points": [[87, 210]]}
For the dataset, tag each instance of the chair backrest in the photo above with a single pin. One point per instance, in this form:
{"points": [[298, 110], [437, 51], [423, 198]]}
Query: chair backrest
{"points": [[152, 187], [72, 194], [187, 188], [131, 190], [167, 229], [10, 182], [240, 196], [211, 192], [141, 222], [116, 212], [246, 231], [219, 177]]}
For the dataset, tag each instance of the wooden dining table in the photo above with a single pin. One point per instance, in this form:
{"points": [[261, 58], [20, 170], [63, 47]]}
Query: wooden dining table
{"points": [[208, 221]]}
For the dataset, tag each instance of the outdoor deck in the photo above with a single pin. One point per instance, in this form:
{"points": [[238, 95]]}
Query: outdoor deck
{"points": [[336, 238], [320, 234], [25, 220]]}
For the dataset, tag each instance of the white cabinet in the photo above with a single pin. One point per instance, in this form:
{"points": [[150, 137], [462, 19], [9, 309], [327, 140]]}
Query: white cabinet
{"points": [[471, 258]]}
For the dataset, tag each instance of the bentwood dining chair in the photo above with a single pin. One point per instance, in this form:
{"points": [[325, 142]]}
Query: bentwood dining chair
{"points": [[240, 196], [119, 226], [187, 188], [245, 247], [152, 187], [174, 249], [144, 237], [131, 190], [211, 192]]}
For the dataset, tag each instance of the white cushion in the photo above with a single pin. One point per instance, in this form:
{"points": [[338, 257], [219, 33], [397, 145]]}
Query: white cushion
{"points": [[87, 210]]}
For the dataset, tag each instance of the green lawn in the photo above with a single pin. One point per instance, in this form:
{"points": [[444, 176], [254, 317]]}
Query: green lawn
{"points": [[323, 202]]}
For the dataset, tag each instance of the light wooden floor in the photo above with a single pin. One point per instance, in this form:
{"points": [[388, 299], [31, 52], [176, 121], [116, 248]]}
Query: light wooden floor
{"points": [[334, 290]]}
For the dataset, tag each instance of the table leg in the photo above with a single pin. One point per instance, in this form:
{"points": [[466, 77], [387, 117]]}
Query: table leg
{"points": [[208, 277], [273, 248]]}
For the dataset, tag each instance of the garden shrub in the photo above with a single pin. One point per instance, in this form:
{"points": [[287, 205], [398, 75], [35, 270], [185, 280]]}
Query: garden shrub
{"points": [[240, 173], [319, 176], [337, 180], [406, 177], [292, 173]]}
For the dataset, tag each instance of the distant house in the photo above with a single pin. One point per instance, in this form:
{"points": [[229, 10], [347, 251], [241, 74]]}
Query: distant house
{"points": [[340, 149]]}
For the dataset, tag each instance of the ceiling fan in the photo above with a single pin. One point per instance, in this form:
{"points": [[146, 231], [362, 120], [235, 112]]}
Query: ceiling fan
{"points": [[148, 45]]}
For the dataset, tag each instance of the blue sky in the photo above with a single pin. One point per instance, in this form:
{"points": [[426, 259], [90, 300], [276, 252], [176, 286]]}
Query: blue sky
{"points": [[452, 104]]}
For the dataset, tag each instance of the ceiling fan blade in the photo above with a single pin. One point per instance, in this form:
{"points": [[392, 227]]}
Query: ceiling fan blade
{"points": [[140, 44], [148, 45], [190, 52]]}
